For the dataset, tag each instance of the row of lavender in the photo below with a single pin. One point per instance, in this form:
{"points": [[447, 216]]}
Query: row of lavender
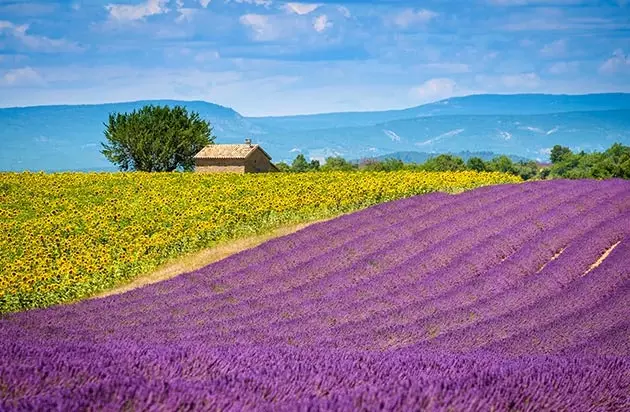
{"points": [[497, 297]]}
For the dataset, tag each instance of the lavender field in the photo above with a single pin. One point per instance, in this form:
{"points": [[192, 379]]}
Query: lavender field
{"points": [[510, 297]]}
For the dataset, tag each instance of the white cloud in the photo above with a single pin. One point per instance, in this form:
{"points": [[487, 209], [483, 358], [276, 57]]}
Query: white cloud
{"points": [[185, 14], [490, 56], [265, 3], [345, 12], [534, 2], [443, 67], [262, 28], [554, 49], [410, 17], [131, 12], [512, 82], [301, 8], [563, 67], [38, 43], [526, 43], [25, 76], [619, 62], [321, 23], [204, 3], [435, 89], [522, 80], [207, 56]]}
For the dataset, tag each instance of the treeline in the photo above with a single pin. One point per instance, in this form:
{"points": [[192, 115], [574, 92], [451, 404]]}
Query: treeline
{"points": [[614, 162]]}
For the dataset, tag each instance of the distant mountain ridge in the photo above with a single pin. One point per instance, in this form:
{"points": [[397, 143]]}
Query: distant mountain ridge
{"points": [[480, 104], [69, 137]]}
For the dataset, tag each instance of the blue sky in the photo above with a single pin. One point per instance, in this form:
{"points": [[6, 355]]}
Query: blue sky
{"points": [[269, 57]]}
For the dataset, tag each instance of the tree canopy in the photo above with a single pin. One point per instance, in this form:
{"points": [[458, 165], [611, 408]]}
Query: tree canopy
{"points": [[155, 139]]}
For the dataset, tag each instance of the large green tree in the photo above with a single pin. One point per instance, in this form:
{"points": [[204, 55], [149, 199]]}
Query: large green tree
{"points": [[155, 139]]}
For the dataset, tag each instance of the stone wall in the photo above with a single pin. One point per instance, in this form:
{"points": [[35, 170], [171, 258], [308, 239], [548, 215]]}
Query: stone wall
{"points": [[257, 163], [219, 165]]}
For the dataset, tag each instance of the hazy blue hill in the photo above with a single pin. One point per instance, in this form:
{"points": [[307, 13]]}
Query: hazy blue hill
{"points": [[69, 137], [519, 104], [529, 136]]}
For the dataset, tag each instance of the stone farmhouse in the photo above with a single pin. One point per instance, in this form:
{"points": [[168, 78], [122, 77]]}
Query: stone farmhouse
{"points": [[234, 158]]}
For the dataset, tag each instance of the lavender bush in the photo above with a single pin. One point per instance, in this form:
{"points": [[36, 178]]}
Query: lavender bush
{"points": [[494, 299]]}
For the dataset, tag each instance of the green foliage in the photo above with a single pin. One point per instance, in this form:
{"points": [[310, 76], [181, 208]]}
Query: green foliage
{"points": [[300, 164], [477, 164], [558, 153], [155, 139], [387, 165], [527, 169], [502, 164], [337, 163], [614, 162], [283, 167], [445, 163]]}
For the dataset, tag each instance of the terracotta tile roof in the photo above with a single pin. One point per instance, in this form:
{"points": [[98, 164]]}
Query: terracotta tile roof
{"points": [[228, 151]]}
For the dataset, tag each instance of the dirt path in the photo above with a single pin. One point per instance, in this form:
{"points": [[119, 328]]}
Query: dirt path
{"points": [[601, 259], [203, 258]]}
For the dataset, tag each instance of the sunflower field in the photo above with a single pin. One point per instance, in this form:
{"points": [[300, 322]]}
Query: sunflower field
{"points": [[65, 236]]}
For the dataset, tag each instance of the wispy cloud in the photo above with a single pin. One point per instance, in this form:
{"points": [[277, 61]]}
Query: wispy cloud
{"points": [[321, 23], [411, 17], [563, 67], [131, 12], [35, 42], [185, 13], [554, 49], [619, 62], [265, 3], [535, 2], [25, 76], [518, 81], [555, 19], [526, 80], [345, 12], [301, 8], [261, 27], [204, 3], [443, 67], [434, 89]]}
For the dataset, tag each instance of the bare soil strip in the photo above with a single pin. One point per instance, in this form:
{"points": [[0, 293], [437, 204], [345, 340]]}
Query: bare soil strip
{"points": [[203, 258], [601, 259], [554, 257]]}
